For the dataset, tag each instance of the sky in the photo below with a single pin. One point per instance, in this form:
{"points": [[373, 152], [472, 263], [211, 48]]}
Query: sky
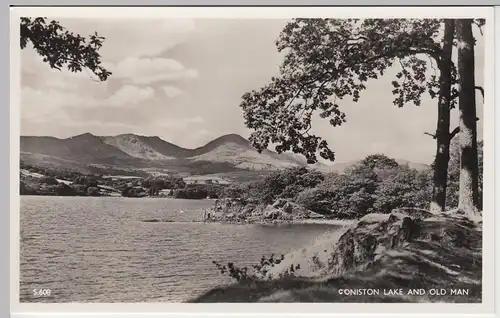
{"points": [[182, 80]]}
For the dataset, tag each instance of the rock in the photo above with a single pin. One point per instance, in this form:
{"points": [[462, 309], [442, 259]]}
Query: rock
{"points": [[314, 215], [389, 243], [381, 251]]}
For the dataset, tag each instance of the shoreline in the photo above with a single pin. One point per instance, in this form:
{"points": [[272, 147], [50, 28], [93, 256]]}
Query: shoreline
{"points": [[333, 222]]}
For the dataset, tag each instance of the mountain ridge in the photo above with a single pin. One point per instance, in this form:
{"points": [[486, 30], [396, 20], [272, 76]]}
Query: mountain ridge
{"points": [[132, 149], [229, 151]]}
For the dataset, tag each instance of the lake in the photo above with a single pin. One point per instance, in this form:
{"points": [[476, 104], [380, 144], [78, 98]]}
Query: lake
{"points": [[97, 249]]}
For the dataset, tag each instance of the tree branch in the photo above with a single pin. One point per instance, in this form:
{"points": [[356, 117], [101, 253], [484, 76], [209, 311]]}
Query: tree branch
{"points": [[457, 130], [433, 136], [479, 88], [454, 132]]}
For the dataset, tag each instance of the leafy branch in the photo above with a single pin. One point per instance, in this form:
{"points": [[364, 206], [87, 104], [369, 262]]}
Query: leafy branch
{"points": [[60, 48]]}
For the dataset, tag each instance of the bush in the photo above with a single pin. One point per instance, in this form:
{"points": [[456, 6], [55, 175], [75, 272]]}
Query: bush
{"points": [[79, 189], [403, 187], [377, 184], [259, 272], [93, 191], [199, 191], [351, 194], [24, 189], [88, 181], [65, 190], [49, 181], [316, 200], [284, 184], [131, 192]]}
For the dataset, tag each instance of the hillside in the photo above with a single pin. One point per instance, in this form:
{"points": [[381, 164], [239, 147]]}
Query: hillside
{"points": [[224, 154], [238, 151], [83, 148], [138, 147]]}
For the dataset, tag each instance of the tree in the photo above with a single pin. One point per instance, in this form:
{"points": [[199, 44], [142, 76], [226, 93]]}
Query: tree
{"points": [[60, 48], [335, 58], [379, 161], [442, 136], [327, 60], [468, 201], [454, 173]]}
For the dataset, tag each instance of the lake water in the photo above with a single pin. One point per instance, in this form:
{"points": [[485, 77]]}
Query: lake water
{"points": [[88, 249]]}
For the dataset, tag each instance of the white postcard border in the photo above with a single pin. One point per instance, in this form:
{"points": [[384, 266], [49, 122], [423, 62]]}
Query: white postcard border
{"points": [[487, 307]]}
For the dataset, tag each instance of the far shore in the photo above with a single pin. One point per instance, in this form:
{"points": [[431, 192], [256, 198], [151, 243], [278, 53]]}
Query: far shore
{"points": [[293, 222]]}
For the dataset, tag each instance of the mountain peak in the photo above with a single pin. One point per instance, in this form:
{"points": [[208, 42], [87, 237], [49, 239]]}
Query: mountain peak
{"points": [[83, 136], [232, 138]]}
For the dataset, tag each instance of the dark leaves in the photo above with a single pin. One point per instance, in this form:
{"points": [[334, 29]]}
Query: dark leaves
{"points": [[327, 60], [61, 48]]}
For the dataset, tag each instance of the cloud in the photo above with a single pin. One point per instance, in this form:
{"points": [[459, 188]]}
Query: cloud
{"points": [[172, 91], [149, 70], [128, 51], [180, 123], [125, 37], [128, 95], [50, 103]]}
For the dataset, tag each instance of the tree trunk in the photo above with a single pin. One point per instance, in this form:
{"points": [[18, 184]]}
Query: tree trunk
{"points": [[442, 136], [468, 200]]}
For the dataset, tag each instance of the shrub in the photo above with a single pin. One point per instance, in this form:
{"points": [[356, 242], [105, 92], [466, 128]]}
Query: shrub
{"points": [[25, 189], [65, 190], [80, 189], [93, 191], [258, 272], [316, 199], [199, 191], [285, 184], [402, 187], [132, 192], [49, 180]]}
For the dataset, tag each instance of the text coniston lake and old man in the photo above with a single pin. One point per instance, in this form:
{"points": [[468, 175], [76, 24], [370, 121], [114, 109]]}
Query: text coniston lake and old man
{"points": [[402, 291]]}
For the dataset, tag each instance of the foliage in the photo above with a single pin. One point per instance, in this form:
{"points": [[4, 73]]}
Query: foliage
{"points": [[49, 180], [133, 192], [65, 190], [199, 191], [258, 272], [60, 48], [93, 191], [88, 181], [351, 194], [379, 161], [284, 184], [403, 187], [327, 60], [376, 184], [155, 184]]}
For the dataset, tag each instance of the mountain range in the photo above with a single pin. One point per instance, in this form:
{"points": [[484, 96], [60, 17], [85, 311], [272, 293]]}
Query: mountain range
{"points": [[129, 150], [228, 153]]}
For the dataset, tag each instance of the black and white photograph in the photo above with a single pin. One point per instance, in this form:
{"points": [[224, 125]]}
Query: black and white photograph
{"points": [[258, 160]]}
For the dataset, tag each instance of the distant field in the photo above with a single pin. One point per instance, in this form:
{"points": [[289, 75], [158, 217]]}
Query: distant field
{"points": [[239, 176]]}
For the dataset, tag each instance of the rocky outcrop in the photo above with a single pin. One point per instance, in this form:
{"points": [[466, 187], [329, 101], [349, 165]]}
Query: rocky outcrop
{"points": [[404, 249], [251, 212]]}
